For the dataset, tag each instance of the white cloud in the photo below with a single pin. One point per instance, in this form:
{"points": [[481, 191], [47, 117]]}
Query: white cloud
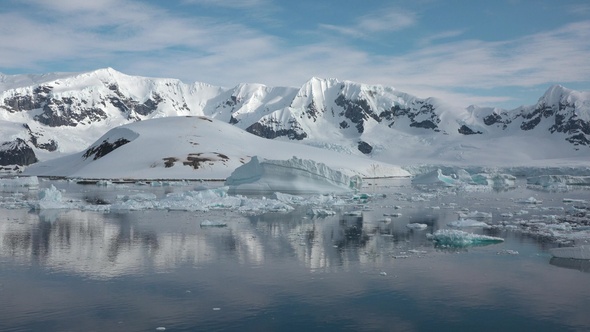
{"points": [[386, 20], [391, 19], [140, 39]]}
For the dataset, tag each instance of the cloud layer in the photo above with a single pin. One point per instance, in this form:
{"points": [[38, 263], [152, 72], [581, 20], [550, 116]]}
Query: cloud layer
{"points": [[138, 38]]}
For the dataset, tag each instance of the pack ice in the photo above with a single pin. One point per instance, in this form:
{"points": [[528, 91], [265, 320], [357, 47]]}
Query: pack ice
{"points": [[290, 176]]}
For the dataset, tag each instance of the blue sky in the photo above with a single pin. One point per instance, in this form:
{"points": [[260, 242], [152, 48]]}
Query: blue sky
{"points": [[502, 53]]}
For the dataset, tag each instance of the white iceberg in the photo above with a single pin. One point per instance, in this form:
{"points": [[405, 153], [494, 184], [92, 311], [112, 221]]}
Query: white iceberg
{"points": [[436, 178], [558, 180], [26, 181], [497, 180], [292, 176], [449, 238], [461, 177], [51, 198], [580, 252]]}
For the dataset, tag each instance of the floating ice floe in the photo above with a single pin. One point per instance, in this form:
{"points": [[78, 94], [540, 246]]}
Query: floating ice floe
{"points": [[461, 223], [291, 176], [580, 252], [475, 215], [459, 239]]}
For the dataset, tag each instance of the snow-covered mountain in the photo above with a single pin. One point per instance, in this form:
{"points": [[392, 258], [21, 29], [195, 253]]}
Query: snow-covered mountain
{"points": [[59, 114]]}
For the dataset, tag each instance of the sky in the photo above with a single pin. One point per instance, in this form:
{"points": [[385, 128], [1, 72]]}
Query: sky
{"points": [[503, 53]]}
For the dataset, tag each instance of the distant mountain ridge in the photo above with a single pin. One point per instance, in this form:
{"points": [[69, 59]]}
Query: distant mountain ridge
{"points": [[57, 114]]}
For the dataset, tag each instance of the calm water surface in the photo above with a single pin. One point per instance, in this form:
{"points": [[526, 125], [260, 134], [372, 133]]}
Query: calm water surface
{"points": [[71, 270]]}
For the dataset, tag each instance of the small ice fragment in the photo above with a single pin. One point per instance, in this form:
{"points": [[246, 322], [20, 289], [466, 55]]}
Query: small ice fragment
{"points": [[383, 273], [216, 309], [476, 215], [209, 223], [417, 226], [531, 200], [507, 252], [161, 328]]}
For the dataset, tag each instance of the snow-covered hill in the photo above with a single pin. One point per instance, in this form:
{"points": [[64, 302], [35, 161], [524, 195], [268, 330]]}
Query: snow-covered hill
{"points": [[58, 114], [191, 148]]}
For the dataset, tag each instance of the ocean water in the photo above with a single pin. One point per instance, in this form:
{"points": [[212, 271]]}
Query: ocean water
{"points": [[75, 270]]}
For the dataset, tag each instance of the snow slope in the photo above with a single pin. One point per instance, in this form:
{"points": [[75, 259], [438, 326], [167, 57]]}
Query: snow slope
{"points": [[191, 148]]}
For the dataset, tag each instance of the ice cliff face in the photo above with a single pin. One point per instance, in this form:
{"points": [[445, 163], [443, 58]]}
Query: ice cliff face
{"points": [[64, 113]]}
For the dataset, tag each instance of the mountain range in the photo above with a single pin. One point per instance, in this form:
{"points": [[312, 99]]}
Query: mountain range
{"points": [[47, 116]]}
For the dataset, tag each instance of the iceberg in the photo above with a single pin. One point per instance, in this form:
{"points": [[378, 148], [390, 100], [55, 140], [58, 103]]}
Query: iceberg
{"points": [[558, 180], [289, 176], [436, 177], [461, 177], [26, 182], [448, 238], [580, 252], [51, 198]]}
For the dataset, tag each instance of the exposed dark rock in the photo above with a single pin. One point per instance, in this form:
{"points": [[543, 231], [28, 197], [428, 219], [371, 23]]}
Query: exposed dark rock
{"points": [[365, 147], [426, 124], [491, 119], [344, 125], [104, 148], [528, 125], [468, 131], [169, 162], [312, 111], [357, 111], [17, 152], [579, 139], [268, 130]]}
